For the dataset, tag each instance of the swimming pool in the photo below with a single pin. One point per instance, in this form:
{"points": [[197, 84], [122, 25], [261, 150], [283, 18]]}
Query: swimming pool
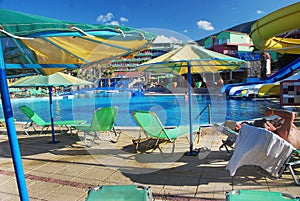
{"points": [[171, 109]]}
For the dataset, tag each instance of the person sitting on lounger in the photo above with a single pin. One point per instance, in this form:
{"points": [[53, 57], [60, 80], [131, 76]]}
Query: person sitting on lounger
{"points": [[285, 128]]}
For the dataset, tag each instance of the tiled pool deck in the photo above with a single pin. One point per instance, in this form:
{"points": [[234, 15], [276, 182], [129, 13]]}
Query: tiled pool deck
{"points": [[65, 171]]}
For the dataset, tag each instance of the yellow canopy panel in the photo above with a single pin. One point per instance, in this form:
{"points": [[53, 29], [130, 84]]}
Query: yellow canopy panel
{"points": [[67, 50]]}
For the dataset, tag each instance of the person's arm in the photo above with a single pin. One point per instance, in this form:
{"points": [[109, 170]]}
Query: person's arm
{"points": [[288, 118], [284, 114]]}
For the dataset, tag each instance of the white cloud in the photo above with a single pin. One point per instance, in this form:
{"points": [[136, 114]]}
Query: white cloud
{"points": [[185, 31], [259, 12], [105, 18], [123, 19], [166, 39], [109, 19], [205, 25], [162, 39], [114, 23]]}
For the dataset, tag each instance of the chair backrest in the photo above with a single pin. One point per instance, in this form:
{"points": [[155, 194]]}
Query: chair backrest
{"points": [[150, 123], [104, 119], [120, 193], [32, 115], [236, 195]]}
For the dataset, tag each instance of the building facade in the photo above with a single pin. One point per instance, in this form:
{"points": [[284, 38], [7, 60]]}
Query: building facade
{"points": [[229, 43]]}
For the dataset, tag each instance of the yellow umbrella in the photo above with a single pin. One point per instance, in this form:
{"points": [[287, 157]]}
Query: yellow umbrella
{"points": [[191, 59], [54, 80], [199, 59]]}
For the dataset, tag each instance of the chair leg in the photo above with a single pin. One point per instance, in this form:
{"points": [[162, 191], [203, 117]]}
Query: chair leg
{"points": [[117, 135], [290, 166], [84, 137], [24, 129], [227, 143], [224, 145], [27, 125], [42, 131], [95, 136], [135, 143], [173, 149]]}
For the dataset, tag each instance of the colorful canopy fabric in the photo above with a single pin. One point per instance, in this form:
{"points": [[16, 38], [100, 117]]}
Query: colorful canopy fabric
{"points": [[199, 59], [56, 79], [40, 40], [29, 41]]}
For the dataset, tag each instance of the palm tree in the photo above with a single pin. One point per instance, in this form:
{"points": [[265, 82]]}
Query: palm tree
{"points": [[107, 74]]}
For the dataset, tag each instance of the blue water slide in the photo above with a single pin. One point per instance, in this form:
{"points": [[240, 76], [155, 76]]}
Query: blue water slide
{"points": [[279, 75]]}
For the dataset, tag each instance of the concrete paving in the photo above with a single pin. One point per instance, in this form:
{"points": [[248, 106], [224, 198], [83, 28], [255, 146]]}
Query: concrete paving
{"points": [[66, 170]]}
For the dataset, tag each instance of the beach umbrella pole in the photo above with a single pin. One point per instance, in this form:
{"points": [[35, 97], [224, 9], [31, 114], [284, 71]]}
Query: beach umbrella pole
{"points": [[11, 131], [191, 152], [51, 115]]}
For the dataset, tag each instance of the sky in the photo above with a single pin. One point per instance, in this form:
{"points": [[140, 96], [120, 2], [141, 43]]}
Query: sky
{"points": [[189, 19]]}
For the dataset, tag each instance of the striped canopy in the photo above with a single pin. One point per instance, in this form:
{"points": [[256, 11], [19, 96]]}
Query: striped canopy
{"points": [[199, 59], [31, 39]]}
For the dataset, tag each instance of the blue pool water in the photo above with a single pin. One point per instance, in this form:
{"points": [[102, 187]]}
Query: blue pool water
{"points": [[171, 109]]}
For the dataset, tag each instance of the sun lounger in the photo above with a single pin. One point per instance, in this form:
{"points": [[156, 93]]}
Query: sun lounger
{"points": [[34, 120], [246, 195], [260, 147], [232, 136], [102, 121], [153, 129], [120, 193]]}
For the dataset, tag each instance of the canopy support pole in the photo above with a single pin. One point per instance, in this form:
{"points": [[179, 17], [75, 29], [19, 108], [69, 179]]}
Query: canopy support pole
{"points": [[11, 130], [51, 115], [191, 152]]}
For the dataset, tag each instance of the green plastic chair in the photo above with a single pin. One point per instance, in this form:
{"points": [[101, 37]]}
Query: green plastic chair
{"points": [[120, 193], [250, 195], [153, 129], [35, 120], [102, 121]]}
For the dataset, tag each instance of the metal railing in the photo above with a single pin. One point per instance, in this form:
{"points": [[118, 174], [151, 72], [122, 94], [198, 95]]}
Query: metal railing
{"points": [[208, 111]]}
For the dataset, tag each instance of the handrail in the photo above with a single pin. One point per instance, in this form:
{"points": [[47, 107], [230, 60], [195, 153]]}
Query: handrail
{"points": [[208, 109]]}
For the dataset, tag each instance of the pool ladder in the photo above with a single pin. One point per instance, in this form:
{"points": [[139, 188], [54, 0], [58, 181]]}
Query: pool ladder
{"points": [[208, 110]]}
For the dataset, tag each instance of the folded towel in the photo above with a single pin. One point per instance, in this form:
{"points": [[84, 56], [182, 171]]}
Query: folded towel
{"points": [[259, 147]]}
